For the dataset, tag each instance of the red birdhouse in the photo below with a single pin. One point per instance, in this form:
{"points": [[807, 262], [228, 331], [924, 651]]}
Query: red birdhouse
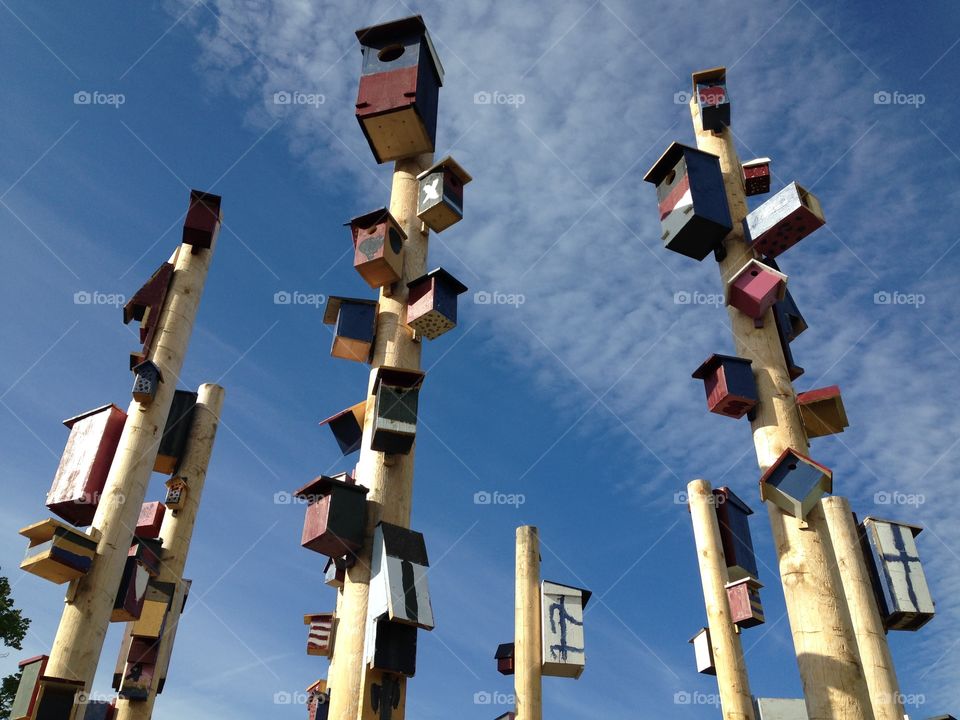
{"points": [[432, 303], [378, 247], [746, 610], [202, 224], [145, 307], [150, 520], [505, 658], [822, 411], [755, 288], [729, 383], [336, 515], [756, 176]]}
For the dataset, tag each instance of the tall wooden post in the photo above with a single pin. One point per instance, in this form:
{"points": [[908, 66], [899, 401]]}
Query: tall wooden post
{"points": [[732, 681], [527, 652], [177, 529], [389, 477], [881, 676], [833, 683], [86, 617]]}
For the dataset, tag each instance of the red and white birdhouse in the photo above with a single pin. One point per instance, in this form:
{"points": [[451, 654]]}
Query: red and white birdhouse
{"points": [[729, 383], [320, 634], [756, 176], [755, 288], [432, 303], [377, 247]]}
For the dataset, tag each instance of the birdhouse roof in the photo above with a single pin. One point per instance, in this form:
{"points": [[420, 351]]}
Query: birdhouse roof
{"points": [[710, 365], [756, 162], [403, 543], [319, 686], [671, 156], [717, 74], [915, 529], [324, 484], [801, 457], [398, 377], [332, 309], [447, 163], [148, 365], [70, 422], [751, 581], [729, 496], [811, 396], [31, 660], [504, 650], [555, 588], [307, 619], [398, 29], [211, 200], [445, 278], [700, 632], [358, 411], [375, 217]]}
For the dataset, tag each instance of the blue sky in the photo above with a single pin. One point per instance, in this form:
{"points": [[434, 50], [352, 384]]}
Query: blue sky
{"points": [[579, 398]]}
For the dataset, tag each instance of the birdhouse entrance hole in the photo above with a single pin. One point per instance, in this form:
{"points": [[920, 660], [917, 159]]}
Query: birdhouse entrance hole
{"points": [[396, 242], [390, 53]]}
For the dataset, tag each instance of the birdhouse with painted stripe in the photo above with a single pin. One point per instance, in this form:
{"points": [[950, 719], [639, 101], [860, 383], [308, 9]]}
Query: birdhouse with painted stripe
{"points": [[394, 647], [336, 515], [397, 392], [145, 307], [783, 220], [320, 633], [756, 176], [440, 203], [561, 629], [176, 496], [146, 382], [710, 91], [505, 658], [398, 577], [40, 696], [202, 224], [355, 327], [733, 517], [399, 89], [755, 288], [694, 214], [703, 651], [85, 463], [746, 610], [729, 384], [57, 552], [318, 701], [173, 442], [378, 247], [347, 427], [899, 583], [795, 483], [432, 303], [822, 411]]}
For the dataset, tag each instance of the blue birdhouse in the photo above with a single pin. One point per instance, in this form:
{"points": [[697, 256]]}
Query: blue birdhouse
{"points": [[733, 517], [355, 325]]}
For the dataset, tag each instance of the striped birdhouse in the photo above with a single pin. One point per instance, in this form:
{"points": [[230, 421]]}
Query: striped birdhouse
{"points": [[58, 552], [320, 633]]}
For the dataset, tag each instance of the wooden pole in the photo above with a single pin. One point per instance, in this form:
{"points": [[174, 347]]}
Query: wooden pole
{"points": [[823, 638], [881, 676], [177, 529], [389, 477], [86, 617], [527, 640]]}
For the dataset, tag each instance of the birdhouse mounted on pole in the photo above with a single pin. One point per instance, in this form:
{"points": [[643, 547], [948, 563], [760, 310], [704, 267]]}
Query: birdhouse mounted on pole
{"points": [[150, 520], [795, 483], [377, 247], [733, 517], [396, 392], [318, 701], [703, 651], [746, 610], [394, 647], [399, 89], [783, 220], [176, 496], [756, 176], [146, 382], [505, 658], [57, 552], [440, 202], [355, 327], [347, 427], [320, 633], [335, 517], [432, 303], [398, 577], [822, 411], [710, 91], [40, 696], [755, 288], [202, 224], [561, 629], [143, 562], [145, 307], [729, 384], [173, 442]]}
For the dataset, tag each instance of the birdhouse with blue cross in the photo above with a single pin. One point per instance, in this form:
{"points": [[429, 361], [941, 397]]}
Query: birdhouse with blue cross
{"points": [[440, 203], [710, 91], [729, 384], [561, 629], [378, 247], [355, 327], [822, 411], [733, 516], [347, 427], [399, 89], [202, 224], [694, 214], [336, 515], [783, 220], [795, 483], [396, 398], [432, 303], [746, 610], [899, 583]]}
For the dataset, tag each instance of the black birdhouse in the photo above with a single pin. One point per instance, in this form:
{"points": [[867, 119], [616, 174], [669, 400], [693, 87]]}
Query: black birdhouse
{"points": [[710, 90], [504, 658], [440, 203], [783, 220], [355, 324], [377, 247], [336, 515], [733, 517], [203, 220], [694, 214], [397, 391], [395, 647], [432, 303], [399, 89], [146, 382], [347, 427], [795, 483], [756, 176], [175, 432], [729, 383]]}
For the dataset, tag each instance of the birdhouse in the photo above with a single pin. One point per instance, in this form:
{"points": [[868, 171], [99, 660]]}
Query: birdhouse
{"points": [[156, 603], [561, 629], [202, 224], [334, 572], [170, 633], [318, 701], [729, 384], [507, 716], [336, 515], [176, 496], [100, 709], [147, 379], [128, 604], [394, 647], [746, 610], [694, 214], [789, 315], [432, 303], [320, 633], [145, 307], [795, 483], [783, 220], [173, 442], [399, 89], [710, 90], [733, 517], [787, 327], [396, 392], [147, 552], [57, 552], [347, 427], [150, 520], [703, 651], [899, 583], [756, 176], [40, 696], [822, 411], [377, 247], [398, 577], [755, 288], [355, 327], [781, 709], [440, 203], [140, 670], [85, 463], [504, 658]]}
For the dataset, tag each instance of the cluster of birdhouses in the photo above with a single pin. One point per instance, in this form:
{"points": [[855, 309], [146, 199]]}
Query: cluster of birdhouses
{"points": [[142, 564], [145, 307], [355, 327], [41, 696], [377, 247], [173, 442], [703, 652], [336, 515], [432, 303], [318, 701], [755, 288], [505, 658], [202, 224], [743, 596], [396, 396], [710, 92], [561, 629], [729, 384], [58, 552], [783, 220], [320, 633], [756, 176], [347, 427], [795, 483], [694, 214], [440, 201], [822, 411], [733, 517]]}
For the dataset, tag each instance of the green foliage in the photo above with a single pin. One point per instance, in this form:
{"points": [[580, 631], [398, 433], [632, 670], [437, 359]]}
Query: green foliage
{"points": [[13, 629]]}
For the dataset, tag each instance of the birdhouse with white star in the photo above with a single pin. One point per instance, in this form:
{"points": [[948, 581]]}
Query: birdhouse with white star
{"points": [[822, 411], [432, 303], [729, 384], [202, 224], [783, 220], [396, 399], [710, 91], [795, 483], [355, 327], [755, 288], [746, 610], [377, 247], [336, 515], [440, 203], [561, 629], [733, 517], [703, 651], [756, 176], [347, 427]]}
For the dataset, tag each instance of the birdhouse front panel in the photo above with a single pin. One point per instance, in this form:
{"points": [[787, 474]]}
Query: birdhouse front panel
{"points": [[710, 91], [432, 303], [100, 710], [729, 384], [440, 202], [56, 697], [355, 323], [176, 496], [505, 658], [561, 629], [746, 610], [756, 176], [694, 214], [157, 602], [398, 577], [822, 411], [57, 552], [25, 701], [783, 220], [145, 307], [395, 647], [703, 651], [335, 517], [795, 483], [202, 224], [150, 520], [789, 315], [170, 631], [320, 633], [378, 247], [128, 604], [733, 516], [900, 585], [396, 392], [347, 427], [173, 442], [85, 463], [755, 288], [140, 671], [146, 382], [781, 709]]}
